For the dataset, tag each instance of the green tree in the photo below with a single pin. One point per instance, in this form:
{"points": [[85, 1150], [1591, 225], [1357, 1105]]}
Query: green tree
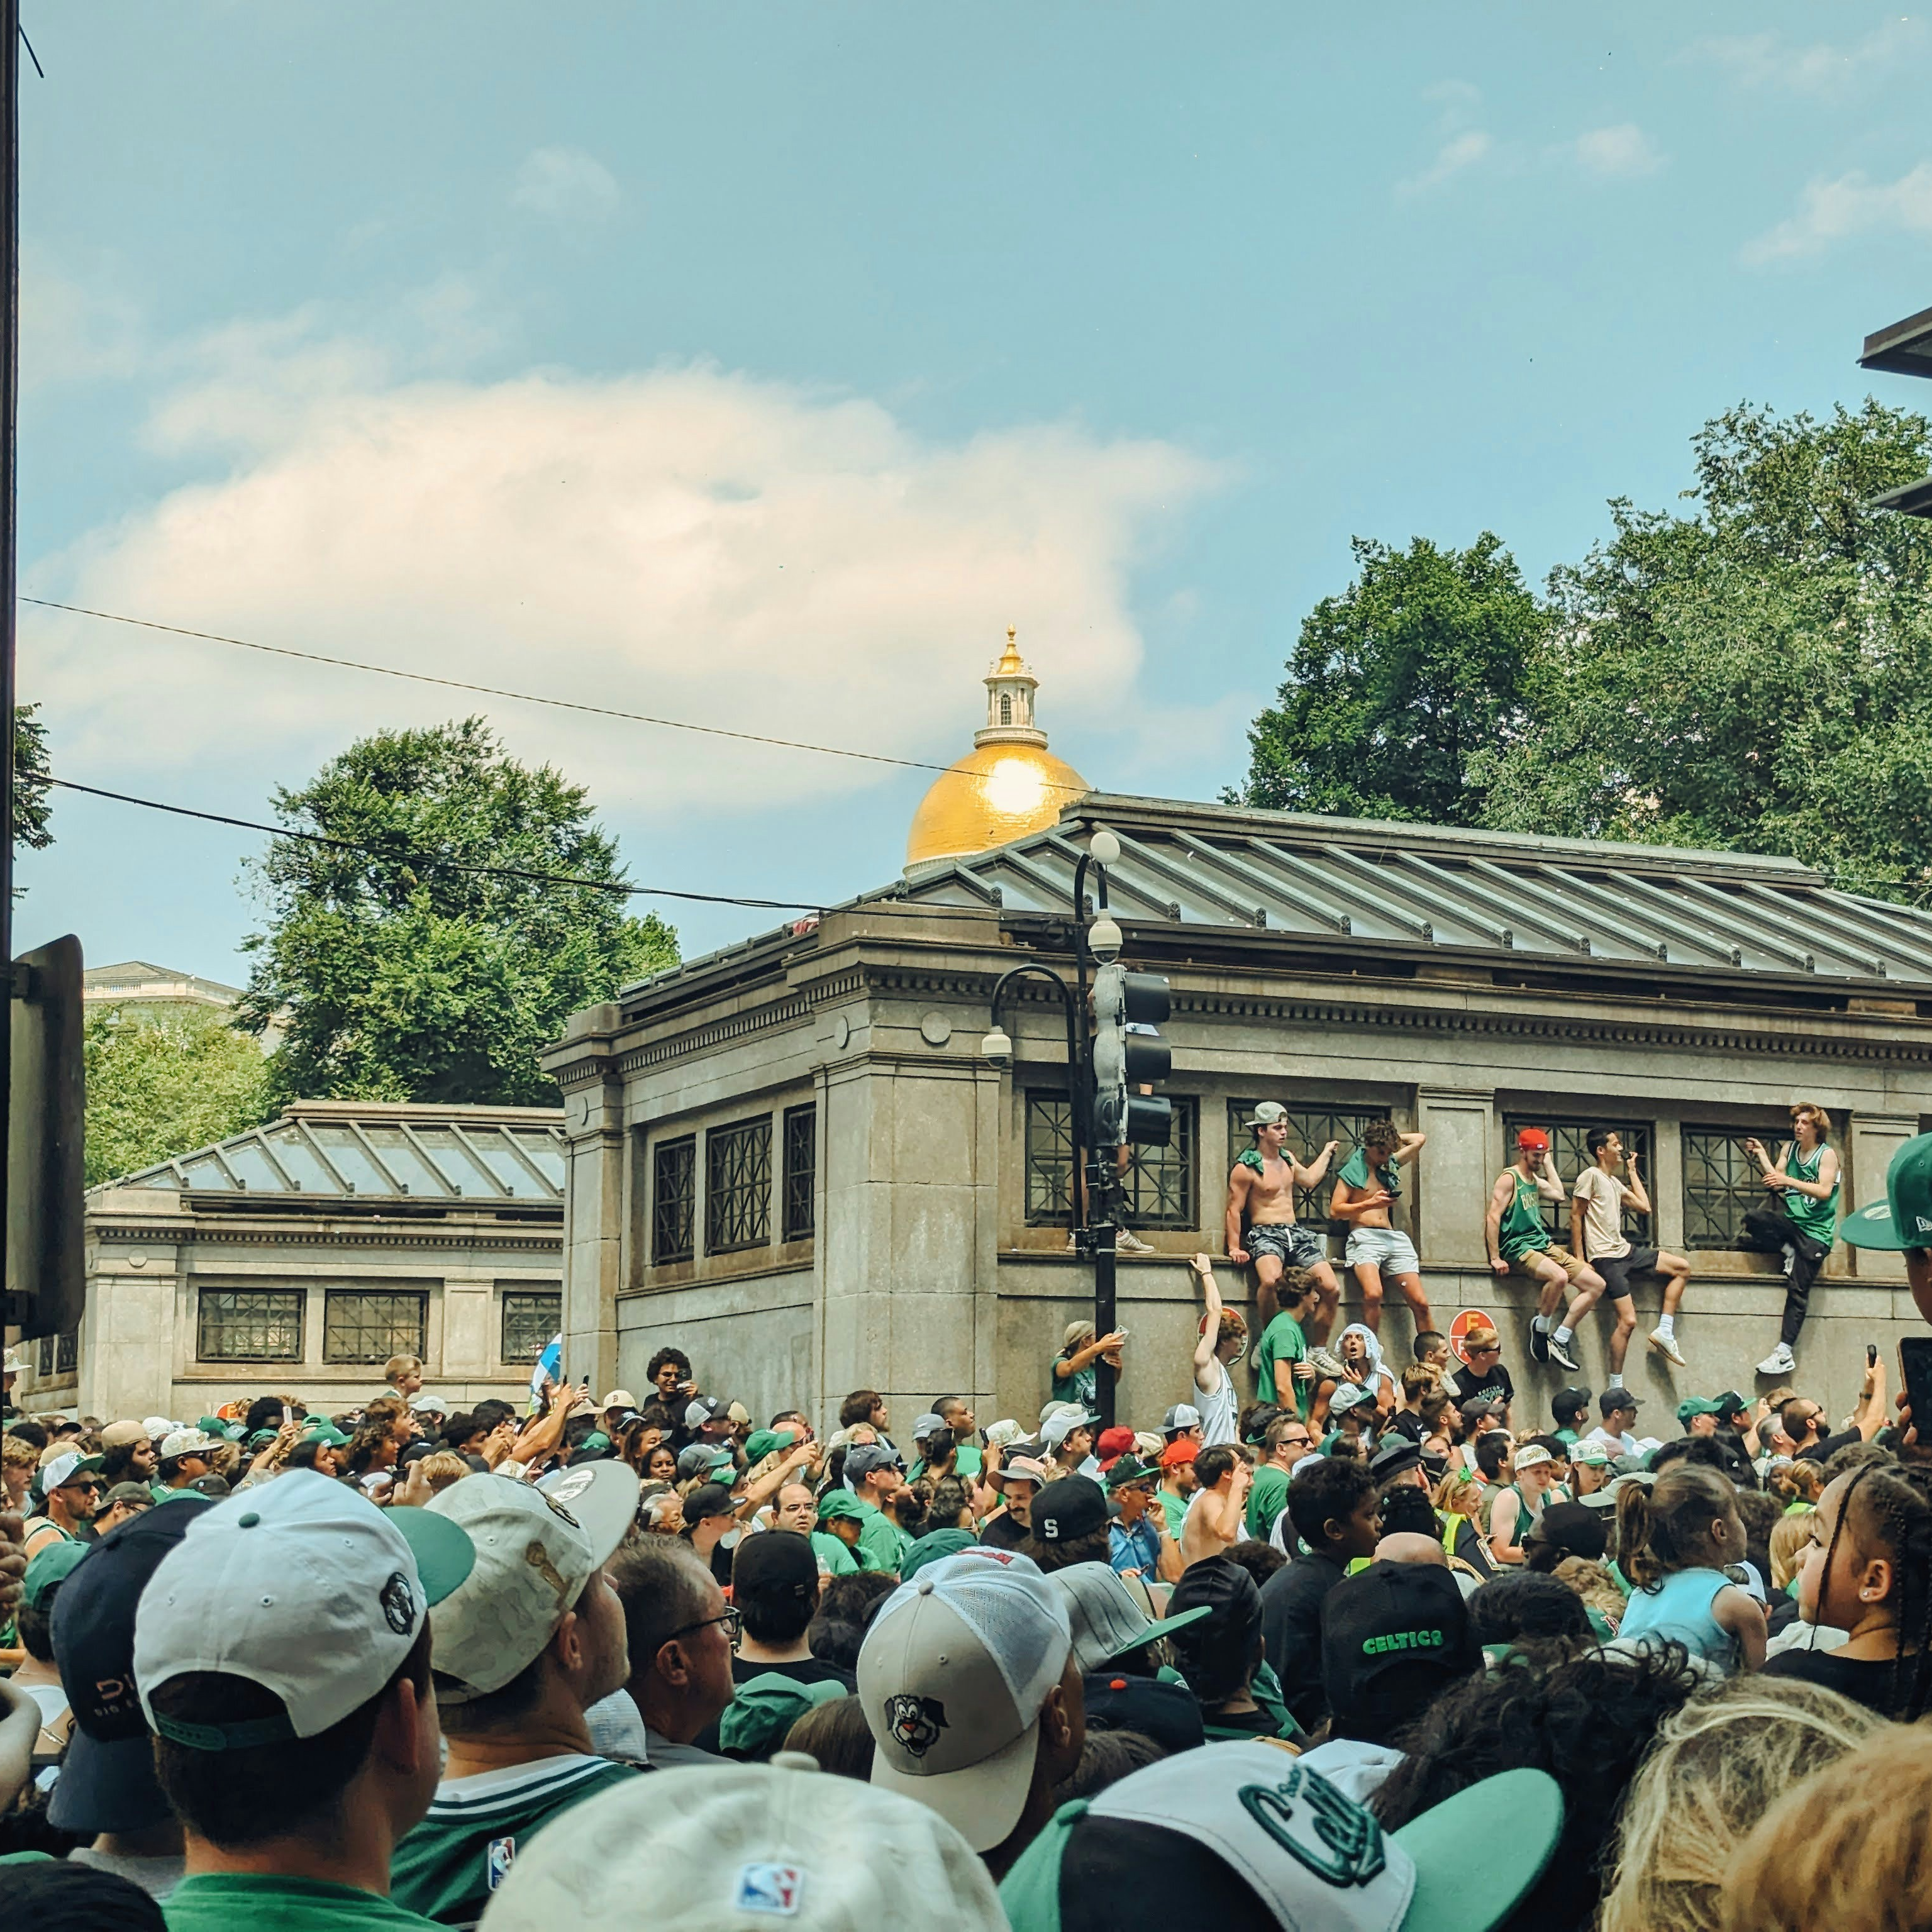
{"points": [[393, 974], [31, 811], [1753, 672], [1426, 664], [163, 1086]]}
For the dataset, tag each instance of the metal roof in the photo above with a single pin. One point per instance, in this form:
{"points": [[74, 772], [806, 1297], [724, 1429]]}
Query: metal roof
{"points": [[1395, 884], [381, 1150]]}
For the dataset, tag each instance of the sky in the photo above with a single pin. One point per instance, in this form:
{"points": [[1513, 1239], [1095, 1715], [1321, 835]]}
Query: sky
{"points": [[756, 366]]}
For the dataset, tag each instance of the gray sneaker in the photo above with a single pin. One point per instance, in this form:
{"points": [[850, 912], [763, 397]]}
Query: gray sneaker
{"points": [[1560, 1355]]}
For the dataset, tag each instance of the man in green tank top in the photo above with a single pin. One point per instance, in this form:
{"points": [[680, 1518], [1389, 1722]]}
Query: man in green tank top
{"points": [[1519, 1244], [1803, 1223]]}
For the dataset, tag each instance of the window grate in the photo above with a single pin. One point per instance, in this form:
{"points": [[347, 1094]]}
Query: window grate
{"points": [[1722, 1183], [738, 1186], [361, 1326], [801, 1168], [1569, 1148], [249, 1325], [1158, 1187], [67, 1353], [530, 1318], [1311, 1127], [673, 1199]]}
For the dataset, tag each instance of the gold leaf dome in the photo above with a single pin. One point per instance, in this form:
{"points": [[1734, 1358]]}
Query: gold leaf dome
{"points": [[1008, 785]]}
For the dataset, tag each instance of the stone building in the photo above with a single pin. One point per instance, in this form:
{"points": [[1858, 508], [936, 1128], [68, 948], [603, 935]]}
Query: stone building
{"points": [[300, 1255], [790, 1158]]}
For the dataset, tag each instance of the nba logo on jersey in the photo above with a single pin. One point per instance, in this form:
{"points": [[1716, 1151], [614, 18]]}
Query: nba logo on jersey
{"points": [[503, 1851], [773, 1888]]}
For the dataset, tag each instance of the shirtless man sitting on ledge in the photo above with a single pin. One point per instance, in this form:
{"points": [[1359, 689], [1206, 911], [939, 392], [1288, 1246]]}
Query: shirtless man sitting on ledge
{"points": [[1261, 1192]]}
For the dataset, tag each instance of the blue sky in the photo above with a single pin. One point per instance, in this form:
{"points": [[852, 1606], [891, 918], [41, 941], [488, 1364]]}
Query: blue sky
{"points": [[758, 365]]}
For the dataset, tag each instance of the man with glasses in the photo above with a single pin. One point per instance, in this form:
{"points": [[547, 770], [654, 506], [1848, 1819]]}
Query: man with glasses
{"points": [[73, 1484], [1139, 1542], [1284, 1442], [1482, 1376], [681, 1635]]}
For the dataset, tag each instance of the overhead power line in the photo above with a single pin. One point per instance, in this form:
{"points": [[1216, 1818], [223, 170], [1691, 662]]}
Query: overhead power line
{"points": [[430, 860], [519, 697]]}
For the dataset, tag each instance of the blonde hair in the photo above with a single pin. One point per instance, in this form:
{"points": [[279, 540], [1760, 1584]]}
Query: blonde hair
{"points": [[1798, 1483], [1479, 1337], [1594, 1585], [443, 1467], [1847, 1848], [1790, 1538], [1718, 1765], [1453, 1482], [401, 1365], [17, 1453]]}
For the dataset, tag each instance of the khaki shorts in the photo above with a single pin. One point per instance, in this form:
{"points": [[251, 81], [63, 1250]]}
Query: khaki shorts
{"points": [[1572, 1267]]}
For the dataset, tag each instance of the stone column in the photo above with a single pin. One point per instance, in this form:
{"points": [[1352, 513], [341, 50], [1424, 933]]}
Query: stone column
{"points": [[128, 1331], [1875, 1138], [1456, 1172], [468, 1346], [594, 1202]]}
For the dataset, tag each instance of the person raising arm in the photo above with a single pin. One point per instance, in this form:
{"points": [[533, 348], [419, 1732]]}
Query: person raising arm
{"points": [[1224, 1338]]}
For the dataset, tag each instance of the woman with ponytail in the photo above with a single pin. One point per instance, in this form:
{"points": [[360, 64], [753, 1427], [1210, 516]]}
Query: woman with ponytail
{"points": [[1675, 1541], [1869, 1572]]}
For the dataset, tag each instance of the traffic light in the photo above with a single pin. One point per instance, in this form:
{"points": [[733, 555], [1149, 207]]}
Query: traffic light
{"points": [[1129, 1054]]}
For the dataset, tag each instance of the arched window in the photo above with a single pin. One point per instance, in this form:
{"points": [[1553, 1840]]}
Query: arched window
{"points": [[1006, 707]]}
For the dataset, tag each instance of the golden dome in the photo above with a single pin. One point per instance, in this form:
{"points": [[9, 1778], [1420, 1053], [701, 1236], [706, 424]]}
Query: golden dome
{"points": [[1008, 785]]}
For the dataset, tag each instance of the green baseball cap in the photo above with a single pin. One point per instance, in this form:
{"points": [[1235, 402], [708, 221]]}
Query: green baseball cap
{"points": [[213, 1425], [761, 1442], [50, 1566], [840, 1502], [1695, 1405], [933, 1545], [761, 1712], [326, 1432], [1903, 1219]]}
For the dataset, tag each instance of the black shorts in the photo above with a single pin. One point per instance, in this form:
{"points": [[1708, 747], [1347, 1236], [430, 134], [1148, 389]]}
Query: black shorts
{"points": [[1617, 1272]]}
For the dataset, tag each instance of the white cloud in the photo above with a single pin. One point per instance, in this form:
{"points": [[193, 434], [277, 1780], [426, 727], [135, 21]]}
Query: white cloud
{"points": [[1458, 152], [685, 542], [1821, 70], [566, 184], [1621, 153], [1833, 210]]}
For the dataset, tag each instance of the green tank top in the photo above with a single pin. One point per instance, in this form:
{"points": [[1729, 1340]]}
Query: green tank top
{"points": [[1818, 1219], [1523, 1519], [1521, 1230]]}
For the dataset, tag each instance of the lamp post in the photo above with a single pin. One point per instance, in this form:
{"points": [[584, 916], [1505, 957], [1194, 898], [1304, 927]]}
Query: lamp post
{"points": [[1095, 1178]]}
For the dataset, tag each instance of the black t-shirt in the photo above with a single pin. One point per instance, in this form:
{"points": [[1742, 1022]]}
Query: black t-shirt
{"points": [[1003, 1532], [1402, 1423], [1820, 1452], [1864, 1683], [1465, 1384]]}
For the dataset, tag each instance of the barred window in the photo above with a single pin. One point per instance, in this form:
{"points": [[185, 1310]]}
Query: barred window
{"points": [[66, 1352], [1312, 1125], [1158, 1187], [738, 1186], [801, 1170], [673, 1199], [530, 1317], [249, 1325], [1722, 1183], [43, 1363], [1569, 1147], [359, 1326]]}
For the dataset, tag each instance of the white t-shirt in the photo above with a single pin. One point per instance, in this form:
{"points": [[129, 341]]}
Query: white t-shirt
{"points": [[1218, 1409], [1603, 1196], [1611, 1445]]}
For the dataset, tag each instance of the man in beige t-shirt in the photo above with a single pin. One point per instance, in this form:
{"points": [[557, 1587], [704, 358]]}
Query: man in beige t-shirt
{"points": [[1596, 1203]]}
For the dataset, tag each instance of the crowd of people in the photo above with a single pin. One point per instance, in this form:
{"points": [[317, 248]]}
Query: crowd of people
{"points": [[1341, 1643]]}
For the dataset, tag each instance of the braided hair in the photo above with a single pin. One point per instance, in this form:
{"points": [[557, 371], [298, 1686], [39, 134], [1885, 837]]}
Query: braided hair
{"points": [[1895, 1513]]}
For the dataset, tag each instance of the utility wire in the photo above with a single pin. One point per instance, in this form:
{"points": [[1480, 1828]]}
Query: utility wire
{"points": [[425, 859], [520, 697]]}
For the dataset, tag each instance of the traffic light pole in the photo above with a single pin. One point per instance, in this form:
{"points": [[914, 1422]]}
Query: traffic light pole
{"points": [[10, 390], [1102, 1229]]}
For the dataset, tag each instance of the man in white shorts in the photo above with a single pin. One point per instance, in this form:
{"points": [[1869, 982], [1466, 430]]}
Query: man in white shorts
{"points": [[1598, 1199], [1366, 1192], [1260, 1193]]}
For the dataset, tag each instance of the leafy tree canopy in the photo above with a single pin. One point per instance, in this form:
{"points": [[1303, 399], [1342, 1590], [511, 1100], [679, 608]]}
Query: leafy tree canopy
{"points": [[396, 976], [31, 809], [1753, 670], [165, 1085]]}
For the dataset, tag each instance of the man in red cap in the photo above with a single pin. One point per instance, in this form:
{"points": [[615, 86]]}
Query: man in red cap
{"points": [[1520, 1243], [1113, 1444]]}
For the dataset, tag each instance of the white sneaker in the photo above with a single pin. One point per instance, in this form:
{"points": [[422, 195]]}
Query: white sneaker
{"points": [[1561, 1356], [1779, 1362], [1665, 1346], [1125, 1244]]}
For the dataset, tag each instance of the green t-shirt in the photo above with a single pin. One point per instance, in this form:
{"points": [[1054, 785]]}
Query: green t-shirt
{"points": [[448, 1867], [1174, 1508], [832, 1551], [1521, 1230], [228, 1901], [966, 1461], [1355, 1172], [1818, 1219], [1282, 1341], [882, 1544], [1083, 1386], [1267, 1497]]}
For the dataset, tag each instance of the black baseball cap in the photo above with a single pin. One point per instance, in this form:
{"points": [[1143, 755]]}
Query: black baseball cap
{"points": [[1128, 1470], [1396, 1458], [1575, 1528], [107, 1778], [1393, 1636], [1569, 1401], [709, 1499], [1213, 1653], [774, 1564], [868, 1458], [1729, 1402], [1615, 1397], [1479, 1408], [1074, 1506], [1165, 1712]]}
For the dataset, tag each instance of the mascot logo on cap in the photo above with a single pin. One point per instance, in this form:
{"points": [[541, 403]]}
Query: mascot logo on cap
{"points": [[915, 1722], [399, 1607], [1338, 1841]]}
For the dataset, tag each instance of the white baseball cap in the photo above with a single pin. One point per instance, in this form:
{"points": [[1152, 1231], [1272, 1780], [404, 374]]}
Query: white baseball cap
{"points": [[426, 1404], [301, 1586], [619, 1399], [62, 1469], [1531, 1456], [1004, 1433], [1058, 1428], [1182, 1415], [1308, 1856], [951, 1675], [187, 1442], [1105, 1619], [158, 1425], [537, 1545], [755, 1847]]}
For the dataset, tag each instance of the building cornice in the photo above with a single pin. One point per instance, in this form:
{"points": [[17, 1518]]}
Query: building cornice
{"points": [[229, 1233]]}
